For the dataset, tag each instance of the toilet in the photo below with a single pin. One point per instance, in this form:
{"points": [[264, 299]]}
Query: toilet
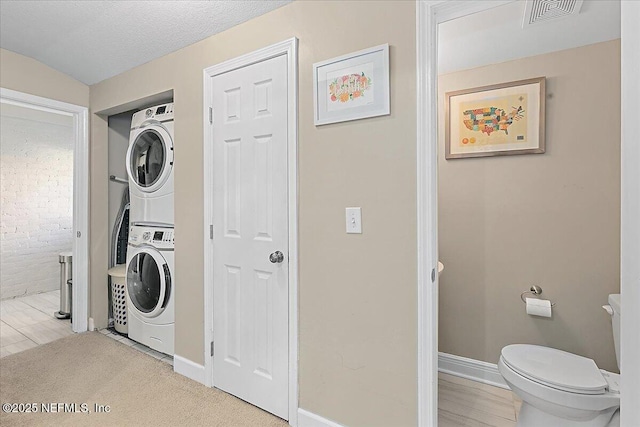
{"points": [[558, 388]]}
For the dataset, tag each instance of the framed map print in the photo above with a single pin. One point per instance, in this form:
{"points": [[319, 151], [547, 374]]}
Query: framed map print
{"points": [[351, 87], [495, 120]]}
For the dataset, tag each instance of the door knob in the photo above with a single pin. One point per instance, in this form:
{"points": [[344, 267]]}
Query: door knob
{"points": [[276, 257]]}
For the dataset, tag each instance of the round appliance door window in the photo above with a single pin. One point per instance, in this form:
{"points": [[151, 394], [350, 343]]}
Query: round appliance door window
{"points": [[147, 158], [145, 283]]}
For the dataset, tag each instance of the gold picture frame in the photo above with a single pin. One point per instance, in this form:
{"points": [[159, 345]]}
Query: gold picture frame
{"points": [[496, 120]]}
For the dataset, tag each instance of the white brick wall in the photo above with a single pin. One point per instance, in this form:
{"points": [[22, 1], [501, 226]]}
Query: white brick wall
{"points": [[36, 187]]}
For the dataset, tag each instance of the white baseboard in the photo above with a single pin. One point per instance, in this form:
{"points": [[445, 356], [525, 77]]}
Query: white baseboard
{"points": [[309, 419], [471, 369], [188, 368]]}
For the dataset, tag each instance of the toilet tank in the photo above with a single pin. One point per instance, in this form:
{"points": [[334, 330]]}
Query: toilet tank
{"points": [[614, 302]]}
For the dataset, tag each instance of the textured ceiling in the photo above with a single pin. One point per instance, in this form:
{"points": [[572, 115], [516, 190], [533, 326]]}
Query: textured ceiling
{"points": [[93, 40]]}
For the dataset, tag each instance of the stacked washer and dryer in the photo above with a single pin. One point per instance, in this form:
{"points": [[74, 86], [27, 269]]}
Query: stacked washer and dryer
{"points": [[150, 257]]}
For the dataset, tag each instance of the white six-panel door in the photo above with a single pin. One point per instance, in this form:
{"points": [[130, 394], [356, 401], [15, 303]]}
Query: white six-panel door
{"points": [[250, 308]]}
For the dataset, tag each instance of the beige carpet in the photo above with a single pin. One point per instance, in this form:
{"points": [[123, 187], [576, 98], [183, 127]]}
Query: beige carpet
{"points": [[92, 369]]}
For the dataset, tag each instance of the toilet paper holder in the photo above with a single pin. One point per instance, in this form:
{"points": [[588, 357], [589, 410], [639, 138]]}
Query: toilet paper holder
{"points": [[533, 290]]}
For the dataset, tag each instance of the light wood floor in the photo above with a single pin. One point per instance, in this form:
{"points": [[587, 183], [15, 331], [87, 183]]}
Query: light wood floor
{"points": [[27, 322], [462, 402]]}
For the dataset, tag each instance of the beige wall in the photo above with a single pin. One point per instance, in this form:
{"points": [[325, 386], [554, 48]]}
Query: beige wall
{"points": [[550, 219], [21, 73], [357, 292]]}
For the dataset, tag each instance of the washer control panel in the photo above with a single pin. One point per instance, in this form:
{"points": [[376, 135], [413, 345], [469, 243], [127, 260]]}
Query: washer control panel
{"points": [[158, 237], [163, 236], [160, 113]]}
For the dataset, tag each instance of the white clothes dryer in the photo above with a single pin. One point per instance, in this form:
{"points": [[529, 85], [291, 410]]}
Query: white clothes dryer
{"points": [[150, 287], [150, 166]]}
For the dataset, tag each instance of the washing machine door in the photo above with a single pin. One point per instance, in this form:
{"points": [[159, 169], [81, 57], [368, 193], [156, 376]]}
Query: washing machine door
{"points": [[148, 282], [150, 157]]}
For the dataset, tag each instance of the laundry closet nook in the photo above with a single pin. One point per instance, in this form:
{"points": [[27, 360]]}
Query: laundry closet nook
{"points": [[140, 203]]}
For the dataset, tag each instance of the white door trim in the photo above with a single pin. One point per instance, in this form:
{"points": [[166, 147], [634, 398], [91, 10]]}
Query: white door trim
{"points": [[630, 215], [290, 48], [428, 15], [80, 115]]}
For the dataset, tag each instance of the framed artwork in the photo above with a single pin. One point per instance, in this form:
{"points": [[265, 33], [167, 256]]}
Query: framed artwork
{"points": [[497, 120], [351, 87]]}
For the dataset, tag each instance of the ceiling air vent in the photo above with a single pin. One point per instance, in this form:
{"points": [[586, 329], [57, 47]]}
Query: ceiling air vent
{"points": [[545, 10]]}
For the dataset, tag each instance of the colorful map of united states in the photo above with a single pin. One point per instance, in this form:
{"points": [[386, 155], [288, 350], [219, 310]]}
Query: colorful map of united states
{"points": [[491, 119]]}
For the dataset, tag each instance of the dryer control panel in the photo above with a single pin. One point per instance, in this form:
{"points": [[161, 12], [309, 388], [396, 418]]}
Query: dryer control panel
{"points": [[158, 237], [159, 113]]}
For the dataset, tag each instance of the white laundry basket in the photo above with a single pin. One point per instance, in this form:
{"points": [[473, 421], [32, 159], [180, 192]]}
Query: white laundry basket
{"points": [[118, 300]]}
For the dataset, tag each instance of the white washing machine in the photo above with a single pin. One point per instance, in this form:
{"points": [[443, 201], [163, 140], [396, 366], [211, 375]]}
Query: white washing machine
{"points": [[150, 166], [150, 287]]}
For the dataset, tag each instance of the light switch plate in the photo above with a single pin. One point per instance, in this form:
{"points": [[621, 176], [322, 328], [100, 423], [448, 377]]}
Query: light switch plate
{"points": [[354, 221]]}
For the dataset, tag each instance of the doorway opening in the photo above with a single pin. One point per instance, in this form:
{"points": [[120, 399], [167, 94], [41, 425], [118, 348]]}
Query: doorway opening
{"points": [[430, 101], [45, 218]]}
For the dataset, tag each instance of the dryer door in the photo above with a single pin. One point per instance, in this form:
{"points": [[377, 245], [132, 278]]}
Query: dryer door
{"points": [[150, 157], [148, 282]]}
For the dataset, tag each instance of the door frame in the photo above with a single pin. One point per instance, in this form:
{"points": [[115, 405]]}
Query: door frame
{"points": [[290, 49], [80, 265], [630, 212], [430, 13]]}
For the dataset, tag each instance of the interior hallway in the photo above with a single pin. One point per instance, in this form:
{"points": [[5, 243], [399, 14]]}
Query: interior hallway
{"points": [[27, 322]]}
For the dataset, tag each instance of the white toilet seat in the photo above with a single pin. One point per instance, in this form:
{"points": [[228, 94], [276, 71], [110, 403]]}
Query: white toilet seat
{"points": [[555, 368], [555, 396]]}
